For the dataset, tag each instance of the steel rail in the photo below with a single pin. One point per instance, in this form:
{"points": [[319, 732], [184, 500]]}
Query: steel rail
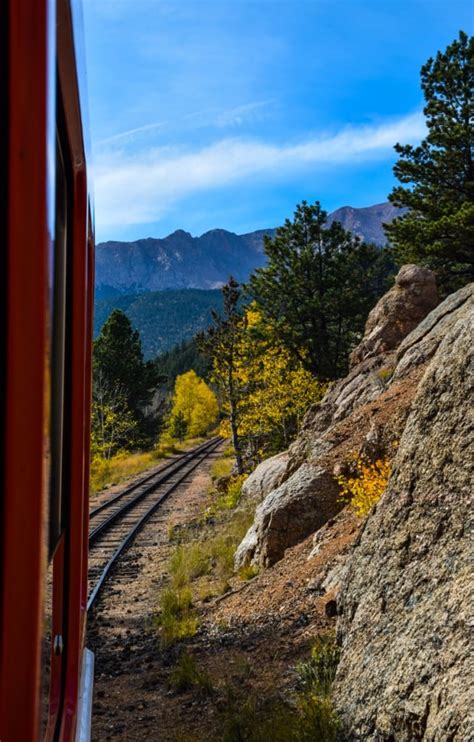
{"points": [[201, 456], [144, 480], [96, 532]]}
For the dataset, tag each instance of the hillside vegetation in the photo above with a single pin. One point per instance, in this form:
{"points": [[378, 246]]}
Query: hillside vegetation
{"points": [[163, 318]]}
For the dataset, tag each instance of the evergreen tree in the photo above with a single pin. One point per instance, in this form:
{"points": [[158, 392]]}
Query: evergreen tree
{"points": [[178, 426], [118, 356], [181, 358], [317, 289], [119, 365], [438, 228]]}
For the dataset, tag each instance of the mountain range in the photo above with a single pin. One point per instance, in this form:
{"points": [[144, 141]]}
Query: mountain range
{"points": [[182, 261]]}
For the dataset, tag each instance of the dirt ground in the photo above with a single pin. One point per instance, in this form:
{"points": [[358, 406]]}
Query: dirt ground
{"points": [[248, 641]]}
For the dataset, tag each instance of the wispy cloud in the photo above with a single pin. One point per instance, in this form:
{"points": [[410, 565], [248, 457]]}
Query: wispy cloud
{"points": [[131, 133], [140, 189]]}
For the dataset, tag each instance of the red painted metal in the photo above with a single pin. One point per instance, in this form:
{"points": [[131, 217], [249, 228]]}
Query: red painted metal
{"points": [[23, 558], [24, 466]]}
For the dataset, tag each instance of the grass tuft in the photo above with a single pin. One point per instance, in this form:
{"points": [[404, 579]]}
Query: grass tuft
{"points": [[186, 676], [248, 572], [176, 619]]}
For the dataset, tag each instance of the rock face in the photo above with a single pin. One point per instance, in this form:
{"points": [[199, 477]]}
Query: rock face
{"points": [[292, 511], [397, 313], [304, 493], [407, 595], [266, 477]]}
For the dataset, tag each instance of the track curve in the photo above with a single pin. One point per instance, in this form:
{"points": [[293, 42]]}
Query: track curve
{"points": [[129, 511]]}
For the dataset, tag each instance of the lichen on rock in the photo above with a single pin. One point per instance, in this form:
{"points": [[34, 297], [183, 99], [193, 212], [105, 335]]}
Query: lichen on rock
{"points": [[408, 591]]}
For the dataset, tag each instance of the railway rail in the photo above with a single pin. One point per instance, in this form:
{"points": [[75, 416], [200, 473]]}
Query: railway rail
{"points": [[116, 522]]}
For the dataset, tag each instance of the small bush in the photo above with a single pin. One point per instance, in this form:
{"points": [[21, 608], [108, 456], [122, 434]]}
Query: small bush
{"points": [[248, 572], [385, 373], [186, 675], [310, 718], [188, 562], [230, 498], [313, 720], [176, 619], [367, 485], [318, 673]]}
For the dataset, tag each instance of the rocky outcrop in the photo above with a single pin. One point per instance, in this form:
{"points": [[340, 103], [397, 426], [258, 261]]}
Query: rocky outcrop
{"points": [[303, 495], [398, 312], [266, 477], [421, 345], [408, 591], [292, 511]]}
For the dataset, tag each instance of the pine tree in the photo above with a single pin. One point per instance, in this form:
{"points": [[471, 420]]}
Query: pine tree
{"points": [[178, 426], [317, 289], [119, 357], [119, 364], [438, 228]]}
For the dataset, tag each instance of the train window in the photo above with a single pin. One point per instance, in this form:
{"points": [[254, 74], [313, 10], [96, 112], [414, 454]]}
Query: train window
{"points": [[57, 505]]}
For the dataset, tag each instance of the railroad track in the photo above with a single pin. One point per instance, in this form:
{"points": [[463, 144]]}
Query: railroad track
{"points": [[115, 523]]}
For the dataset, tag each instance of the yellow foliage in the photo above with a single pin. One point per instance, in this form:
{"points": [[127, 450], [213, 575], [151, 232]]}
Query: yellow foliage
{"points": [[367, 486], [221, 468], [275, 390], [195, 402]]}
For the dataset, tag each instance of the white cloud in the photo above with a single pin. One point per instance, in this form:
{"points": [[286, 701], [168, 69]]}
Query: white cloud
{"points": [[130, 133], [140, 188]]}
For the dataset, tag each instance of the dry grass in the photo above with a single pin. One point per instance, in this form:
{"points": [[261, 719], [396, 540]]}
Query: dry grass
{"points": [[201, 567], [309, 717], [105, 472], [187, 675]]}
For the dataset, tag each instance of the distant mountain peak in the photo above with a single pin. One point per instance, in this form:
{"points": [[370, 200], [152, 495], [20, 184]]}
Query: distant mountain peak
{"points": [[183, 261], [179, 233]]}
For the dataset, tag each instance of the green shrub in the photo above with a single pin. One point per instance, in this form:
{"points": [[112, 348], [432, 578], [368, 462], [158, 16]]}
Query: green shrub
{"points": [[251, 720], [176, 619], [248, 572], [385, 373], [230, 498], [318, 673], [186, 675], [309, 718], [188, 562], [221, 468]]}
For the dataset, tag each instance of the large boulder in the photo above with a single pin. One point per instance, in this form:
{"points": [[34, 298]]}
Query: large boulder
{"points": [[408, 590], [292, 511], [398, 312], [266, 477]]}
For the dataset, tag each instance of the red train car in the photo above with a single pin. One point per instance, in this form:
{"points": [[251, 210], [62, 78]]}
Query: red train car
{"points": [[46, 295]]}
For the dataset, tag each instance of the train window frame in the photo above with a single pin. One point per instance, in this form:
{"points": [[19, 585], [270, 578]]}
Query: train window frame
{"points": [[61, 340], [4, 174]]}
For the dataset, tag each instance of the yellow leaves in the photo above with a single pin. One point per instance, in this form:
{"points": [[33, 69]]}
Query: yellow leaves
{"points": [[195, 402], [367, 486], [276, 390]]}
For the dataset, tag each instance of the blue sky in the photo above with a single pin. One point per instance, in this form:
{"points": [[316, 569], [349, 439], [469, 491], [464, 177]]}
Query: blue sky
{"points": [[226, 113]]}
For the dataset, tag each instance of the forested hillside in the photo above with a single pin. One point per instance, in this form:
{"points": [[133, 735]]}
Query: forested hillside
{"points": [[163, 318]]}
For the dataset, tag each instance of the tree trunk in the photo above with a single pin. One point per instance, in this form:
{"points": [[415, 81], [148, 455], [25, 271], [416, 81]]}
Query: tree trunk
{"points": [[233, 424]]}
